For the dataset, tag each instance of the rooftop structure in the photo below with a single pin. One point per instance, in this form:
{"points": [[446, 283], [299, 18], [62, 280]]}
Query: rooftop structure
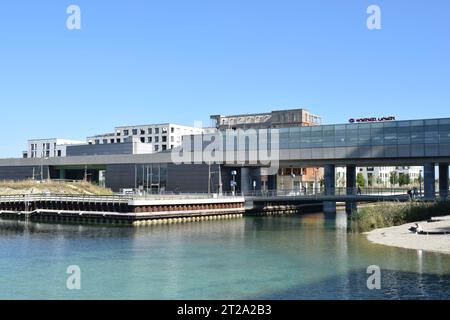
{"points": [[274, 119]]}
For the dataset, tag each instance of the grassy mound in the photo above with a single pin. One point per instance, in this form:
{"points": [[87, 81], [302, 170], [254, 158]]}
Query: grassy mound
{"points": [[388, 214], [57, 187]]}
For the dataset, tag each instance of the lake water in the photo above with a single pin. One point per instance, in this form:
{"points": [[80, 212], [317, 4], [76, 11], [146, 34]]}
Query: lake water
{"points": [[297, 257]]}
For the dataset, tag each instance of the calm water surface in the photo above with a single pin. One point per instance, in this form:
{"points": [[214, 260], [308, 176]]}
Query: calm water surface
{"points": [[297, 257]]}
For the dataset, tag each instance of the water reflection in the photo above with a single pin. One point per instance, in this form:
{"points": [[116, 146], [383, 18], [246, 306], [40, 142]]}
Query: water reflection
{"points": [[309, 256]]}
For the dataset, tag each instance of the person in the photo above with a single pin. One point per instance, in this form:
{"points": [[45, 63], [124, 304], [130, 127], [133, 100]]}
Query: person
{"points": [[359, 190], [417, 228], [415, 193], [409, 193]]}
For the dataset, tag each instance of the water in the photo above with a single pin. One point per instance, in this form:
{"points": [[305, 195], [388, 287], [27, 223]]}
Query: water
{"points": [[297, 257]]}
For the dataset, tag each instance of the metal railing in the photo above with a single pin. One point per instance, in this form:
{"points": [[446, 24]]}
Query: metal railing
{"points": [[337, 191]]}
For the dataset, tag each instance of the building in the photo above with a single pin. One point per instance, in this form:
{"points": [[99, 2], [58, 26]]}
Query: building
{"points": [[48, 148], [161, 136], [291, 178], [423, 143], [274, 119], [382, 176]]}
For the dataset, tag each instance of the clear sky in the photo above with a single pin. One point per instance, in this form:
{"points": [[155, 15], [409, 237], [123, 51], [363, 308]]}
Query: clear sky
{"points": [[145, 61]]}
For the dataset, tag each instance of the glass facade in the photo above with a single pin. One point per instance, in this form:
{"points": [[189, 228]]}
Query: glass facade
{"points": [[151, 177], [367, 134]]}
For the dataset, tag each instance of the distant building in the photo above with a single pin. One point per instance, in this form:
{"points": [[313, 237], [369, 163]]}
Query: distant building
{"points": [[274, 119], [380, 176], [49, 148], [161, 136]]}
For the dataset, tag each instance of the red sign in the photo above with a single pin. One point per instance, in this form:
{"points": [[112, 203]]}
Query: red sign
{"points": [[374, 119]]}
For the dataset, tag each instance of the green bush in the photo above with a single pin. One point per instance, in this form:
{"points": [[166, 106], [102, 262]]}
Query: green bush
{"points": [[388, 214]]}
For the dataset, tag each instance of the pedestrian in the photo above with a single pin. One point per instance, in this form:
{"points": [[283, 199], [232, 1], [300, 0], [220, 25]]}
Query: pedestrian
{"points": [[359, 190]]}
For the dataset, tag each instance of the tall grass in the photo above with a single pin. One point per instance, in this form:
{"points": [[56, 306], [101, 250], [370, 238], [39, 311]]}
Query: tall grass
{"points": [[61, 187], [388, 214]]}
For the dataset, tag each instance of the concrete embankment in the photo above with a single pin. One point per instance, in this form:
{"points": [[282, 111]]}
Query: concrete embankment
{"points": [[121, 210]]}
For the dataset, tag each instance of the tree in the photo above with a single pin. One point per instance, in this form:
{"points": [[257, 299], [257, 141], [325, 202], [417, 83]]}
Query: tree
{"points": [[404, 179], [393, 179], [360, 181]]}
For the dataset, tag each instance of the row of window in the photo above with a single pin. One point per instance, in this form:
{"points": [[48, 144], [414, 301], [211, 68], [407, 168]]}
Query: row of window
{"points": [[135, 132], [156, 139]]}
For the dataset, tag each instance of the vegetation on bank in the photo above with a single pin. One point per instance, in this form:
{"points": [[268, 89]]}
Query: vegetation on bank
{"points": [[51, 186], [389, 214]]}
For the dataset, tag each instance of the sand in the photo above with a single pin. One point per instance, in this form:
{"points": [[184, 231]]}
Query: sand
{"points": [[402, 238]]}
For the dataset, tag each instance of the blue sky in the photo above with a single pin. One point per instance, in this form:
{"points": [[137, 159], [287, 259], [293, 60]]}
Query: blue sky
{"points": [[144, 61]]}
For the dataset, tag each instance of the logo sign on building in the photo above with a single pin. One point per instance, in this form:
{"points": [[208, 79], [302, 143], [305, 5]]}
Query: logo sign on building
{"points": [[373, 119]]}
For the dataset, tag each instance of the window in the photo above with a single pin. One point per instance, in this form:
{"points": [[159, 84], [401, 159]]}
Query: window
{"points": [[172, 130], [105, 141], [156, 139], [59, 153], [118, 140], [135, 132], [97, 141], [112, 141], [156, 130], [150, 130], [156, 148], [164, 147], [143, 139], [150, 139], [164, 130], [142, 131], [164, 138], [171, 146], [126, 132], [172, 139]]}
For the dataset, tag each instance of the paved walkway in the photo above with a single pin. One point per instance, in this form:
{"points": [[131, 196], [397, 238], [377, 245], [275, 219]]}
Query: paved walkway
{"points": [[402, 238]]}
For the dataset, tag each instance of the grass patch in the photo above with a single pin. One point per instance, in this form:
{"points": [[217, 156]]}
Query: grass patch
{"points": [[389, 214], [59, 187]]}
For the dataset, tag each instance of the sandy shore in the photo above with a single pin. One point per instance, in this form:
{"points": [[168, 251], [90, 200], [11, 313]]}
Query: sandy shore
{"points": [[402, 238]]}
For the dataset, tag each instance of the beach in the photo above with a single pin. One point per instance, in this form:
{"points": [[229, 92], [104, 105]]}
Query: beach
{"points": [[401, 237]]}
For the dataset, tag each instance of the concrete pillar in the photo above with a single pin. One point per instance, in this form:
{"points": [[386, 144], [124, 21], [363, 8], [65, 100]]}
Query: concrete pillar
{"points": [[351, 206], [272, 182], [62, 174], [330, 183], [443, 181], [256, 173], [246, 180], [429, 181]]}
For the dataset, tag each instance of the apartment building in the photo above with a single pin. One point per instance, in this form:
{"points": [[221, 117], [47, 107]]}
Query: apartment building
{"points": [[49, 148], [161, 136]]}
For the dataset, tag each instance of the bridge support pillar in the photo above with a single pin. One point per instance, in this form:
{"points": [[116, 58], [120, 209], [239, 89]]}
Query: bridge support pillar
{"points": [[429, 181], [272, 182], [246, 180], [256, 181], [443, 181], [330, 183], [351, 206]]}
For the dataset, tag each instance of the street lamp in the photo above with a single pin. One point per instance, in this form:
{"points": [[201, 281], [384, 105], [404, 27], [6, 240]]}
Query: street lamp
{"points": [[420, 182]]}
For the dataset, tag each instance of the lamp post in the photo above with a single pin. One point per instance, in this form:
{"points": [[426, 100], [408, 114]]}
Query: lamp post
{"points": [[420, 182]]}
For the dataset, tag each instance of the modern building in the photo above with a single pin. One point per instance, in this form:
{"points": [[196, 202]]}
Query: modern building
{"points": [[290, 178], [383, 176], [421, 143], [161, 136], [48, 148]]}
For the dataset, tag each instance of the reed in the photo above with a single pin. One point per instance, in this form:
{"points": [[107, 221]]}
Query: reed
{"points": [[388, 214]]}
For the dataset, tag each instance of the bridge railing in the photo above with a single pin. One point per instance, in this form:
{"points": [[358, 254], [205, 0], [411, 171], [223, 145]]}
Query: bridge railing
{"points": [[337, 191]]}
